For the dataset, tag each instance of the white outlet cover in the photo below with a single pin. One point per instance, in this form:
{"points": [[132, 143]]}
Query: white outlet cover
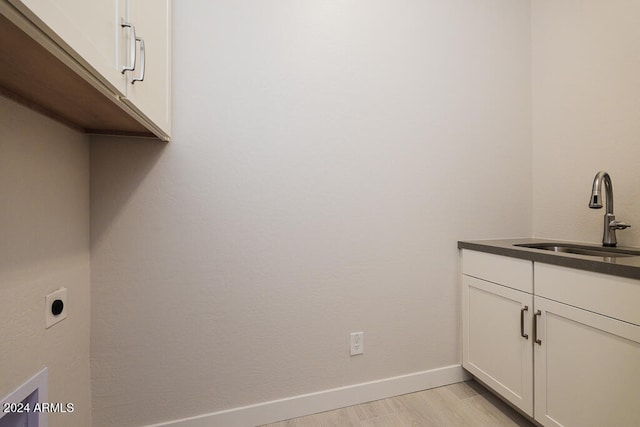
{"points": [[51, 319], [357, 343]]}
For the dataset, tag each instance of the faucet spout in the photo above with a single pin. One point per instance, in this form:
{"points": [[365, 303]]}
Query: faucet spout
{"points": [[595, 202]]}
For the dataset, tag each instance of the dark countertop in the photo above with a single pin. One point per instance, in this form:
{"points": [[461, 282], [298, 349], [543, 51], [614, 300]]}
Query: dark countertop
{"points": [[615, 266]]}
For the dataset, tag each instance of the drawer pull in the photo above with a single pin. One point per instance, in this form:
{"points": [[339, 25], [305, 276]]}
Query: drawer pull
{"points": [[522, 310], [132, 47], [142, 62], [535, 327]]}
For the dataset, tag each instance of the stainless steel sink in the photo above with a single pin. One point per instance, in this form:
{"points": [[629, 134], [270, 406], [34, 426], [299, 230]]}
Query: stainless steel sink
{"points": [[571, 248]]}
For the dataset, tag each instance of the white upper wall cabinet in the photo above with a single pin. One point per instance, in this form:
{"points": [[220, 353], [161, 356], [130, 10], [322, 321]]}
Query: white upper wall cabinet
{"points": [[94, 40], [89, 28], [149, 84]]}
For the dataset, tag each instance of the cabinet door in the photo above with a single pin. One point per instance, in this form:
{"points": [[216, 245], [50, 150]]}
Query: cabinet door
{"points": [[152, 96], [494, 320], [587, 368], [90, 28]]}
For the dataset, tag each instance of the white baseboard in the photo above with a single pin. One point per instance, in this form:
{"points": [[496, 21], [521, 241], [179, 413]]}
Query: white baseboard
{"points": [[312, 403]]}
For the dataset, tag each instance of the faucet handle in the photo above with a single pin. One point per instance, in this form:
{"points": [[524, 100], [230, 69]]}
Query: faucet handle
{"points": [[618, 225]]}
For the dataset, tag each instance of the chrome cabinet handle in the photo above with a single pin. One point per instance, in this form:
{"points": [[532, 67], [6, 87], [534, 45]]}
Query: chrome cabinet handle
{"points": [[522, 310], [535, 327], [142, 61], [132, 47]]}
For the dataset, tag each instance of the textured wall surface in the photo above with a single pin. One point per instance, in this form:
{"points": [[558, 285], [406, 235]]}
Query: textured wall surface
{"points": [[44, 245], [586, 115], [326, 157]]}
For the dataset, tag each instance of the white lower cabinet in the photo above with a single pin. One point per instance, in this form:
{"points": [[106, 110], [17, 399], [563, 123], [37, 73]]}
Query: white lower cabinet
{"points": [[558, 363], [496, 350], [587, 368]]}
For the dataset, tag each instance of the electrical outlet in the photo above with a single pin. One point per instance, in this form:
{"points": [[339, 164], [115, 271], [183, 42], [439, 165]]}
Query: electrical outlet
{"points": [[55, 307], [357, 343]]}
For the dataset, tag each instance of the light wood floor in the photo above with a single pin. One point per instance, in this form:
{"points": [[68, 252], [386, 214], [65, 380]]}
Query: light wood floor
{"points": [[456, 405]]}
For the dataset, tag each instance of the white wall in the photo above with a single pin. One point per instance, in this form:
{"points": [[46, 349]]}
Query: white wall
{"points": [[326, 158], [586, 115], [44, 245]]}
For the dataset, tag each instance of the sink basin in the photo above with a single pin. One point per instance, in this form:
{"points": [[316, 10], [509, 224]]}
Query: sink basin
{"points": [[571, 248]]}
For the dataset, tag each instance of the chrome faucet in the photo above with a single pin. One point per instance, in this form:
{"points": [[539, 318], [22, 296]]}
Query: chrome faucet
{"points": [[595, 202]]}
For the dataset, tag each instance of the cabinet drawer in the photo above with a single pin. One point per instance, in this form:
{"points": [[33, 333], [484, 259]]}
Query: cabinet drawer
{"points": [[616, 297], [512, 272]]}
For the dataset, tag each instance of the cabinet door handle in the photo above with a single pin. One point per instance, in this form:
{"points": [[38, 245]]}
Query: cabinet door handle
{"points": [[142, 62], [522, 310], [535, 327], [132, 47]]}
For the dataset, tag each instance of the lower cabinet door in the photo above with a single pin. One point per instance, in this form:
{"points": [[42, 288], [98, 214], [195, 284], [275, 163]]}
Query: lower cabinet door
{"points": [[496, 323], [587, 368]]}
